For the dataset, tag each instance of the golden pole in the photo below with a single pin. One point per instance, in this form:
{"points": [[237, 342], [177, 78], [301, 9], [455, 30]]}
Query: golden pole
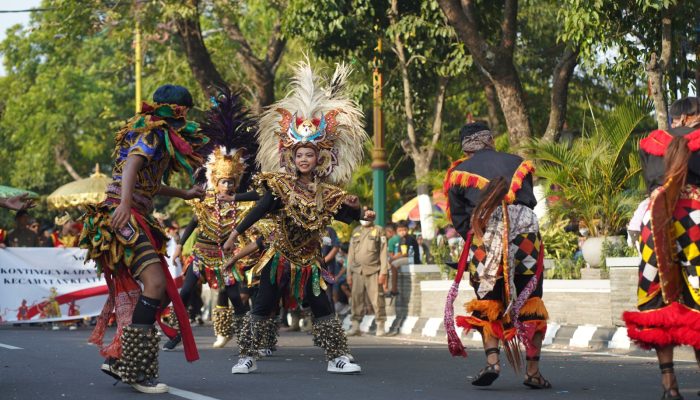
{"points": [[137, 50], [379, 163]]}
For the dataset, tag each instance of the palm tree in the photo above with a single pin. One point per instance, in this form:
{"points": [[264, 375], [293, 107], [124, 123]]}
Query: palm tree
{"points": [[597, 176]]}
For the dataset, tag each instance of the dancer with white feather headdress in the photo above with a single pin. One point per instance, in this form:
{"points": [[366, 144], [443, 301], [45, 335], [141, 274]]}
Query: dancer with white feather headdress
{"points": [[310, 141]]}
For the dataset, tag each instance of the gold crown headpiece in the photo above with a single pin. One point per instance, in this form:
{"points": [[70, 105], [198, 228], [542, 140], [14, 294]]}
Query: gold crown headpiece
{"points": [[62, 220], [223, 164]]}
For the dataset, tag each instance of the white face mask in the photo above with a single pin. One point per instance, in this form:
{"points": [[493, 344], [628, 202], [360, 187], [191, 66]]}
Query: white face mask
{"points": [[364, 223]]}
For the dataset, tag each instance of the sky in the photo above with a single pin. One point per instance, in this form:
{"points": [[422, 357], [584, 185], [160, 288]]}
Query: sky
{"points": [[9, 19]]}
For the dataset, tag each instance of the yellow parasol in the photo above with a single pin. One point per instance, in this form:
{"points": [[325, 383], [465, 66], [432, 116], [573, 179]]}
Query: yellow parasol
{"points": [[83, 191]]}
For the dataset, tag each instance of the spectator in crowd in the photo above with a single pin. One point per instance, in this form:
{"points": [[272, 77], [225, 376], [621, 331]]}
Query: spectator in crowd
{"points": [[329, 250], [424, 250], [440, 237], [33, 225], [46, 235], [341, 289], [367, 263], [405, 252], [391, 245], [335, 259], [21, 235]]}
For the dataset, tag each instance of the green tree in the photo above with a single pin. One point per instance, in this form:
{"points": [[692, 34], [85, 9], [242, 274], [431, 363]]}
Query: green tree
{"points": [[597, 176], [493, 50], [638, 38], [242, 23]]}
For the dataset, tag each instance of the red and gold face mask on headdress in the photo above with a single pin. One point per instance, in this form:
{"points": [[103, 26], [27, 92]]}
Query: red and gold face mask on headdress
{"points": [[317, 133], [322, 118]]}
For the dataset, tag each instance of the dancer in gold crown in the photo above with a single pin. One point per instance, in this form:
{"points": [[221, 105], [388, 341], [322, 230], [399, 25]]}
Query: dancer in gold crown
{"points": [[222, 208]]}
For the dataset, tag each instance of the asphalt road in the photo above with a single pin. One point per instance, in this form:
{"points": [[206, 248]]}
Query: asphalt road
{"points": [[47, 364]]}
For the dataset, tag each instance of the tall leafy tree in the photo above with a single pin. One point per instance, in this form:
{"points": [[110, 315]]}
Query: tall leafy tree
{"points": [[254, 29], [489, 29], [638, 38]]}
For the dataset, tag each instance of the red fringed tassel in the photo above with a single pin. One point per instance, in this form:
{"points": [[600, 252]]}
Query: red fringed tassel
{"points": [[672, 325], [453, 341]]}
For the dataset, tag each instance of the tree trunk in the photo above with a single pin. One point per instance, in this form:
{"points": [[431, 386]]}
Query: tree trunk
{"points": [[655, 68], [264, 82], [61, 159], [560, 93], [491, 104], [510, 96], [198, 58], [496, 61], [260, 71]]}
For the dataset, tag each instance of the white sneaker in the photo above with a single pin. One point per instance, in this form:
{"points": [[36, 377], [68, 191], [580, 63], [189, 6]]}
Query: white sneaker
{"points": [[150, 386], [350, 357], [109, 367], [245, 365], [343, 365], [265, 352], [220, 341]]}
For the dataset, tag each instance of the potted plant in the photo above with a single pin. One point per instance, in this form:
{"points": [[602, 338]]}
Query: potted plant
{"points": [[596, 177]]}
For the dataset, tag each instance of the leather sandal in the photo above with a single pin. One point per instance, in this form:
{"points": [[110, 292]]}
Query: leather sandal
{"points": [[667, 368], [490, 373], [536, 380]]}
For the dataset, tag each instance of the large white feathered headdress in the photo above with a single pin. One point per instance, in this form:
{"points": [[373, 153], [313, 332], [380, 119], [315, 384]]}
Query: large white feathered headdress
{"points": [[317, 116]]}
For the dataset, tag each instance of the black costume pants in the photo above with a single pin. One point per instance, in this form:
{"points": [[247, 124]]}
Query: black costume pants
{"points": [[268, 297], [188, 286], [232, 293]]}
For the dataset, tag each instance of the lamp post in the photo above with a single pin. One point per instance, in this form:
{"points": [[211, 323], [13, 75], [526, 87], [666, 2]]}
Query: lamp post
{"points": [[379, 163]]}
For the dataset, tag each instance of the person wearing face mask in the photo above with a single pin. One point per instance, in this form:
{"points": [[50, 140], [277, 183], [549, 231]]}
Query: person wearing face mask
{"points": [[310, 141], [668, 295], [367, 266]]}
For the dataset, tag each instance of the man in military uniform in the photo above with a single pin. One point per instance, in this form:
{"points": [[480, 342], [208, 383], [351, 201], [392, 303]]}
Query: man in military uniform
{"points": [[367, 266]]}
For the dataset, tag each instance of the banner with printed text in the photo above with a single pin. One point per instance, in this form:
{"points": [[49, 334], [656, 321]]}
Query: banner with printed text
{"points": [[50, 284]]}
